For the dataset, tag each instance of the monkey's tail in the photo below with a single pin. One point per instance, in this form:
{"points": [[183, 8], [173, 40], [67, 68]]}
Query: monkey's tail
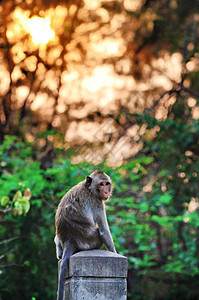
{"points": [[62, 272]]}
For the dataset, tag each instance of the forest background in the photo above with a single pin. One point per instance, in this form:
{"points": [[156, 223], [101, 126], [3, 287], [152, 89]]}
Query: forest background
{"points": [[101, 84]]}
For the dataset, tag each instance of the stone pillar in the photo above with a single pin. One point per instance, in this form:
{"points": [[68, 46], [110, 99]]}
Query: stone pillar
{"points": [[96, 275]]}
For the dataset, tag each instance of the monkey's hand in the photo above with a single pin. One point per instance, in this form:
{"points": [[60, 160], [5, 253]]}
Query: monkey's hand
{"points": [[112, 249]]}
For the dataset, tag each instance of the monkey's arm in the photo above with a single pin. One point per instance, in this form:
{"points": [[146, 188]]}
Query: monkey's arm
{"points": [[105, 233]]}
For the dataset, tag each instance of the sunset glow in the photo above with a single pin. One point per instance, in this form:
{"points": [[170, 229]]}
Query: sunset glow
{"points": [[40, 30]]}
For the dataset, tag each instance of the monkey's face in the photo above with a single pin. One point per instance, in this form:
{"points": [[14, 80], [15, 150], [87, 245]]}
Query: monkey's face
{"points": [[104, 188], [100, 184]]}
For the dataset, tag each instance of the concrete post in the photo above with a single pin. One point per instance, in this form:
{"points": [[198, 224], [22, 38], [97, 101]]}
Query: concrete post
{"points": [[96, 275]]}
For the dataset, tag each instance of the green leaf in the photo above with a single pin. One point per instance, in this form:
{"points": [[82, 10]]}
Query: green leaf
{"points": [[26, 206], [163, 173], [165, 198], [163, 221], [5, 200], [18, 208], [17, 196]]}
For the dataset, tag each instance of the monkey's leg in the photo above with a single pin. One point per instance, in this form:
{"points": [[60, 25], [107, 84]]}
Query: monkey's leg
{"points": [[68, 251], [59, 249]]}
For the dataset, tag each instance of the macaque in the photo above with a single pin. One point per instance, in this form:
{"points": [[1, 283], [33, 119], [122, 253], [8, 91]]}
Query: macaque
{"points": [[81, 222]]}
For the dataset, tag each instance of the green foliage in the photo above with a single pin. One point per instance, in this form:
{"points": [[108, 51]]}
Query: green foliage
{"points": [[29, 221], [19, 203], [159, 224], [156, 222], [153, 214], [28, 200]]}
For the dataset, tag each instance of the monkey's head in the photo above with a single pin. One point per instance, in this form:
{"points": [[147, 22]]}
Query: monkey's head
{"points": [[100, 184]]}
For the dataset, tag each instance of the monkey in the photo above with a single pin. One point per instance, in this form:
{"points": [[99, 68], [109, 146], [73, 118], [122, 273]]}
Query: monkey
{"points": [[81, 222]]}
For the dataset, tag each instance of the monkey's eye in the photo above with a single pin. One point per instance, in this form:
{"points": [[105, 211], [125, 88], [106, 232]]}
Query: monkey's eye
{"points": [[101, 184], [108, 183]]}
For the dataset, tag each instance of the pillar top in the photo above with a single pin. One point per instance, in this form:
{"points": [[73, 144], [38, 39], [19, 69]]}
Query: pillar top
{"points": [[98, 253], [97, 263]]}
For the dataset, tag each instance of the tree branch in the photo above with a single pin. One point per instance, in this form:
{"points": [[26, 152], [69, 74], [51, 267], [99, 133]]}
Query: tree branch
{"points": [[8, 240], [5, 211]]}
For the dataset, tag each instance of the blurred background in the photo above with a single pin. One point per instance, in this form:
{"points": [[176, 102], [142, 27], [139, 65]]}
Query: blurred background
{"points": [[101, 84]]}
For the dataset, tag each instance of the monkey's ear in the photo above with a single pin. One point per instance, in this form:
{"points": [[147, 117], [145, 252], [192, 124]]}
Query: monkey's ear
{"points": [[88, 180]]}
